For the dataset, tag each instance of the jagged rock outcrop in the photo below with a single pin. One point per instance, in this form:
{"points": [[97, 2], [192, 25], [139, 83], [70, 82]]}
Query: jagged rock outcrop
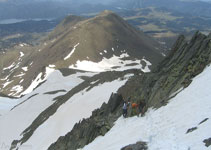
{"points": [[186, 60], [88, 129], [137, 146], [207, 142]]}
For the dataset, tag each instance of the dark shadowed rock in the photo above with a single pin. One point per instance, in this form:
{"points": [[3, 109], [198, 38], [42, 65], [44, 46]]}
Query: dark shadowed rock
{"points": [[191, 130], [87, 130], [137, 146], [203, 121], [55, 92], [207, 142]]}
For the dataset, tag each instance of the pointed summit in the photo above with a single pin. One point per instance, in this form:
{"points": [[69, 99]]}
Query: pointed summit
{"points": [[106, 31]]}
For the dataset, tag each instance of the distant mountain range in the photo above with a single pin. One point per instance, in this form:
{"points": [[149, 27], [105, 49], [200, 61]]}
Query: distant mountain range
{"points": [[53, 9], [166, 24]]}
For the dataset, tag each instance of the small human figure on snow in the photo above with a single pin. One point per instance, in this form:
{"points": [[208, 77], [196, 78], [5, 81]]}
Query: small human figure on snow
{"points": [[124, 109]]}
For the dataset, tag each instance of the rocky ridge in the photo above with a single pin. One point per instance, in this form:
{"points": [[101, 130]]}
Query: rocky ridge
{"points": [[187, 59]]}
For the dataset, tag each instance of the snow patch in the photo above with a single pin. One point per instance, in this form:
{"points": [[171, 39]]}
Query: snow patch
{"points": [[109, 64], [21, 54], [9, 67], [37, 81], [52, 66], [163, 54], [7, 83], [16, 89], [22, 44], [72, 51], [146, 69], [21, 81], [15, 66], [128, 76], [5, 78], [25, 68], [20, 75], [94, 82]]}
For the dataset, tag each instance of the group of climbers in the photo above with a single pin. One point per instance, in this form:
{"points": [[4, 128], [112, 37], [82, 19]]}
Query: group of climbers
{"points": [[136, 109]]}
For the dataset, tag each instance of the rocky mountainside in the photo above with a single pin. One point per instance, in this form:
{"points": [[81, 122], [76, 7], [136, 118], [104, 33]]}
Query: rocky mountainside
{"points": [[106, 42], [175, 73]]}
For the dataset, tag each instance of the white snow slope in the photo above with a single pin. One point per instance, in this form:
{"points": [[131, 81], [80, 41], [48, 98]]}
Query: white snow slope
{"points": [[75, 109], [165, 128], [13, 123]]}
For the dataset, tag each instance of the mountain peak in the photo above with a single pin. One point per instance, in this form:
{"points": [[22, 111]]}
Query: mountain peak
{"points": [[106, 12], [103, 43]]}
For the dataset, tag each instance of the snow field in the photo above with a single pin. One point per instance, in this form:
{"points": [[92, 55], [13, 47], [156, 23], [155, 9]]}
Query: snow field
{"points": [[109, 64], [13, 123], [75, 109], [6, 104]]}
